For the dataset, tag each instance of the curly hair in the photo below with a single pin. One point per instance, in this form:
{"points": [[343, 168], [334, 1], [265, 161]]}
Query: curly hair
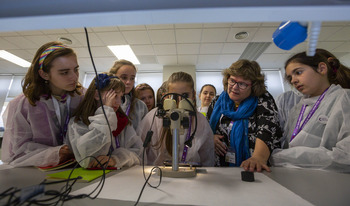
{"points": [[249, 70]]}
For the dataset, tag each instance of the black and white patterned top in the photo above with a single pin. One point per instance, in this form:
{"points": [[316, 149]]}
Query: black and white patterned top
{"points": [[264, 124]]}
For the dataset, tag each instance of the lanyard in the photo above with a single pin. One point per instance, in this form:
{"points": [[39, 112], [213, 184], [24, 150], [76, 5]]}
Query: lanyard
{"points": [[184, 153], [64, 128], [128, 109], [117, 143], [298, 128]]}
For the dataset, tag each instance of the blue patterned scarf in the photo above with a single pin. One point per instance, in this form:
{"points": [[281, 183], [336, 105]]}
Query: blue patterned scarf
{"points": [[239, 132]]}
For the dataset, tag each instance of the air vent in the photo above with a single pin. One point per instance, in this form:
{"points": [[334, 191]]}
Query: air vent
{"points": [[254, 50]]}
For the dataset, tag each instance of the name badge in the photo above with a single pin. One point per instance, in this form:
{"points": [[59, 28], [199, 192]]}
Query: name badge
{"points": [[230, 156]]}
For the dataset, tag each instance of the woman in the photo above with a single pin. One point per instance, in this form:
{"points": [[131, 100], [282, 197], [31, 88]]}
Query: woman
{"points": [[244, 119], [36, 121], [146, 94], [206, 95], [317, 131]]}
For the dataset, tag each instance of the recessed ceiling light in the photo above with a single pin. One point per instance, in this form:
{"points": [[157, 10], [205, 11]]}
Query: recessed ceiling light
{"points": [[241, 35], [65, 40], [124, 52], [14, 59]]}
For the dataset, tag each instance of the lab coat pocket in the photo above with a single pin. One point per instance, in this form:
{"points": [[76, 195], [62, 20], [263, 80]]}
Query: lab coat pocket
{"points": [[323, 119]]}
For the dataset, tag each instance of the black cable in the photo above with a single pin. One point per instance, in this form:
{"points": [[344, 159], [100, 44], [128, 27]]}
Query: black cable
{"points": [[146, 182]]}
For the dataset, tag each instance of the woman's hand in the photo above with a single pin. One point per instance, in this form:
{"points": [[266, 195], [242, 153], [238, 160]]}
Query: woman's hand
{"points": [[65, 153], [109, 98], [255, 164], [102, 159], [258, 161], [220, 147]]}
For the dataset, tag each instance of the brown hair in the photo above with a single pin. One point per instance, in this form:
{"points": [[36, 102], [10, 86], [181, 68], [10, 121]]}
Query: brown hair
{"points": [[33, 85], [116, 66], [161, 91], [89, 104], [249, 70], [337, 73], [143, 87], [208, 85], [165, 133]]}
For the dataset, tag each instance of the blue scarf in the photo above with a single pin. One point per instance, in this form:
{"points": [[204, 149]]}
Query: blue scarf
{"points": [[239, 133]]}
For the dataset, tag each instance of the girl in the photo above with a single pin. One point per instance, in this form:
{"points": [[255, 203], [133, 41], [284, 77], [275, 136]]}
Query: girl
{"points": [[146, 94], [134, 108], [36, 121], [206, 94], [318, 127], [89, 133], [202, 150]]}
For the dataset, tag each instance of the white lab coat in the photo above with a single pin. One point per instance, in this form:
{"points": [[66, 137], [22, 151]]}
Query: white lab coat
{"points": [[285, 102], [31, 132], [139, 111], [95, 140], [324, 142], [202, 150]]}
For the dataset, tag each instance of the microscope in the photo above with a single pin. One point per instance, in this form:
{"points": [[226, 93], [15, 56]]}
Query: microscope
{"points": [[177, 117]]}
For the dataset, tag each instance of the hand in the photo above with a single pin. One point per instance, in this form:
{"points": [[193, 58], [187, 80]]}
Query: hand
{"points": [[109, 98], [65, 153], [102, 159], [255, 163], [220, 147]]}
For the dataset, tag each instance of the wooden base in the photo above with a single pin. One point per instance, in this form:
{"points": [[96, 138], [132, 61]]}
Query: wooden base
{"points": [[183, 172]]}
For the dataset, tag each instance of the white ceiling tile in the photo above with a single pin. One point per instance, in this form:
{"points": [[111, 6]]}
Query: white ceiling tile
{"points": [[327, 32], [188, 26], [187, 59], [341, 35], [93, 39], [82, 52], [230, 48], [208, 59], [10, 34], [271, 24], [247, 24], [188, 35], [214, 35], [162, 36], [106, 29], [55, 31], [21, 42], [165, 49], [136, 37], [217, 25], [160, 26], [263, 35], [132, 28], [35, 32], [4, 44], [77, 30], [343, 48], [188, 48], [329, 45], [272, 60], [211, 48], [39, 40], [22, 53], [101, 52], [335, 23], [143, 49], [111, 38], [227, 60], [167, 60], [147, 59]]}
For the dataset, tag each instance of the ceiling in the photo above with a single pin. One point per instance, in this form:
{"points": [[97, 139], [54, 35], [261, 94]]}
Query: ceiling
{"points": [[180, 38]]}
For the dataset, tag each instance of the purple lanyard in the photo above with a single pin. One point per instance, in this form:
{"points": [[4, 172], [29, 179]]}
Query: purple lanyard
{"points": [[298, 128], [117, 143], [128, 110], [184, 154], [64, 130]]}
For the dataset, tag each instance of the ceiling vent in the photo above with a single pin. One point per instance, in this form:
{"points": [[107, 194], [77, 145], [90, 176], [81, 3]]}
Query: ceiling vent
{"points": [[254, 50]]}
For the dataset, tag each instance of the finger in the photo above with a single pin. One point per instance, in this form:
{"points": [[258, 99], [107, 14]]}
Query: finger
{"points": [[265, 167], [252, 166], [258, 167]]}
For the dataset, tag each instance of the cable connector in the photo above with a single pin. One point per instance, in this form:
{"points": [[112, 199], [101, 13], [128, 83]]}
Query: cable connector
{"points": [[148, 138]]}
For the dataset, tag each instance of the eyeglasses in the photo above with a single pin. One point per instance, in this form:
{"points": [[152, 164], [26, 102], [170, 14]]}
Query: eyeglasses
{"points": [[241, 85]]}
